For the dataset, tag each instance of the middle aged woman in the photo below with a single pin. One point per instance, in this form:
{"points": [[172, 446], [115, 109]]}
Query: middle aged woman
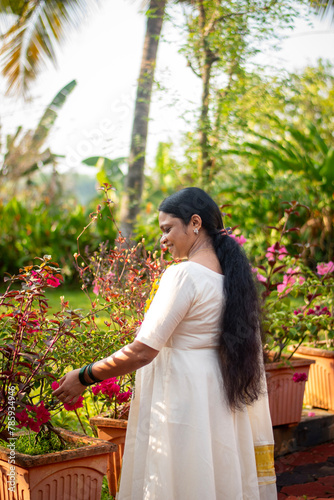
{"points": [[199, 425]]}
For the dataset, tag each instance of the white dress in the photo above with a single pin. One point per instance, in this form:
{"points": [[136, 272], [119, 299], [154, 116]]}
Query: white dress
{"points": [[183, 442]]}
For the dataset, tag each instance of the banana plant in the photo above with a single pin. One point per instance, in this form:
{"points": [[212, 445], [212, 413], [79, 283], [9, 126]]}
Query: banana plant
{"points": [[25, 150]]}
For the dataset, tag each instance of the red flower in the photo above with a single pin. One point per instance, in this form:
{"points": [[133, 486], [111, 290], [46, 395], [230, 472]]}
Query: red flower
{"points": [[52, 281], [74, 406], [123, 397], [299, 377], [42, 414], [22, 418]]}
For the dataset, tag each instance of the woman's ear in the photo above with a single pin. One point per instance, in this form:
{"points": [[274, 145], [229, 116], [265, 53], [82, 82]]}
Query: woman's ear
{"points": [[196, 222]]}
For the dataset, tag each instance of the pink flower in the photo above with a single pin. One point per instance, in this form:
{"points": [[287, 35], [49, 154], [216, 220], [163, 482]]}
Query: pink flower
{"points": [[74, 406], [274, 250], [96, 289], [259, 276], [311, 414], [52, 281], [289, 280], [299, 377], [239, 239], [123, 397], [324, 268], [55, 385], [36, 276]]}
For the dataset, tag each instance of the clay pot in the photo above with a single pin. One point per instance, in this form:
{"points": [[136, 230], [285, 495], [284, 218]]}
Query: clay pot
{"points": [[74, 474], [319, 389], [113, 430], [286, 395]]}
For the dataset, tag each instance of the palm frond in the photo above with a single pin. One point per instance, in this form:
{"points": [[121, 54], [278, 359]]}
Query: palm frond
{"points": [[39, 26], [324, 8]]}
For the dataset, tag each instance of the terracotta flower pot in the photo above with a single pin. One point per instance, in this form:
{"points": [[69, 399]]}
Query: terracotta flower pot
{"points": [[286, 395], [319, 389], [74, 474], [114, 430]]}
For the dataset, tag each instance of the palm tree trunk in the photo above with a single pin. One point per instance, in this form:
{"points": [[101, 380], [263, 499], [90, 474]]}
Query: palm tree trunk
{"points": [[135, 177]]}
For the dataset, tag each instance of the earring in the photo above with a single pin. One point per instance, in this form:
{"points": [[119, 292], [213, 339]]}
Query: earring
{"points": [[196, 230]]}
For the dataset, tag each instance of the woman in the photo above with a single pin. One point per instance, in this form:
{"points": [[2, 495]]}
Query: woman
{"points": [[199, 425]]}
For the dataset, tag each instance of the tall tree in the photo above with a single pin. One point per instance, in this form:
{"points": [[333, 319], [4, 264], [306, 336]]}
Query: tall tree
{"points": [[135, 177], [222, 37]]}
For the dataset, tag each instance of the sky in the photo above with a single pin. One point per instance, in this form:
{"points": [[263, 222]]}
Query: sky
{"points": [[104, 57]]}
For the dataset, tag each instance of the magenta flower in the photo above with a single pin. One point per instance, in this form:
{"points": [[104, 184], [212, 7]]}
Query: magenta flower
{"points": [[55, 385], [299, 377], [123, 397], [42, 414], [52, 281], [22, 418], [319, 311], [74, 406], [274, 250], [324, 268], [33, 417], [96, 389]]}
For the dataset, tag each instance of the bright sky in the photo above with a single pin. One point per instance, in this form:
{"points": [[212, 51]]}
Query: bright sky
{"points": [[104, 57]]}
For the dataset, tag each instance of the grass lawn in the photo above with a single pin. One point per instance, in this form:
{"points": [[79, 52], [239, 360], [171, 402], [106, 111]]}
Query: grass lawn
{"points": [[74, 295]]}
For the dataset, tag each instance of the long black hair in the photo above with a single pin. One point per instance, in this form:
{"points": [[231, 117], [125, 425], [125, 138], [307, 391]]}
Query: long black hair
{"points": [[240, 341]]}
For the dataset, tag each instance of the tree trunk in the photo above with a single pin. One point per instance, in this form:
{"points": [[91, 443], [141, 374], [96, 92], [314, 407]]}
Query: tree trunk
{"points": [[208, 59], [135, 178]]}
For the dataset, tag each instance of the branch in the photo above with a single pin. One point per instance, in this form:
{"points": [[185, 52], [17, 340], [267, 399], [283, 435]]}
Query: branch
{"points": [[193, 69]]}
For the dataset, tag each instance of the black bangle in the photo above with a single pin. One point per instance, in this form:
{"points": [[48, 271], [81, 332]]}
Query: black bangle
{"points": [[82, 377], [90, 373]]}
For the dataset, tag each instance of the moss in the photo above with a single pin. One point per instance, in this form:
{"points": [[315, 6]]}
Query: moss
{"points": [[35, 444]]}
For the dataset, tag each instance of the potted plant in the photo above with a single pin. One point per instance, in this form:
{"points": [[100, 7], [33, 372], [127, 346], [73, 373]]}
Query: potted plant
{"points": [[31, 349], [285, 282], [111, 423], [317, 314]]}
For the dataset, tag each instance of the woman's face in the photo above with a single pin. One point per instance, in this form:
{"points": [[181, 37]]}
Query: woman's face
{"points": [[177, 237]]}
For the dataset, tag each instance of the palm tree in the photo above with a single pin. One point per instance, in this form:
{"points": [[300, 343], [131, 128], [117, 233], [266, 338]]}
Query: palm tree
{"points": [[31, 40], [135, 177]]}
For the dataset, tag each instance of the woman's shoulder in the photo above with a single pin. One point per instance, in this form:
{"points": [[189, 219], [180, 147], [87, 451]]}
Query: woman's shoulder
{"points": [[192, 270]]}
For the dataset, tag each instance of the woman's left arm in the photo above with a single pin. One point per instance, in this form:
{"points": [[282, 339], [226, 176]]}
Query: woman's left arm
{"points": [[126, 360]]}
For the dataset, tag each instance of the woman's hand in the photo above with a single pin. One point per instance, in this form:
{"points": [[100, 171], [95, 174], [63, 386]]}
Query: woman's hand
{"points": [[70, 387]]}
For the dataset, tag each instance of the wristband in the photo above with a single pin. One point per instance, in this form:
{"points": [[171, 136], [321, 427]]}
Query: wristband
{"points": [[82, 377], [90, 373]]}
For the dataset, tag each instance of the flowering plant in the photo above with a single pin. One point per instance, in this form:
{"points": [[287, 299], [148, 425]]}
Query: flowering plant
{"points": [[34, 343], [297, 302], [30, 358], [116, 396]]}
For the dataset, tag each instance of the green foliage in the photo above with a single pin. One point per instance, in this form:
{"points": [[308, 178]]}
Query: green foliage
{"points": [[33, 444], [30, 229]]}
